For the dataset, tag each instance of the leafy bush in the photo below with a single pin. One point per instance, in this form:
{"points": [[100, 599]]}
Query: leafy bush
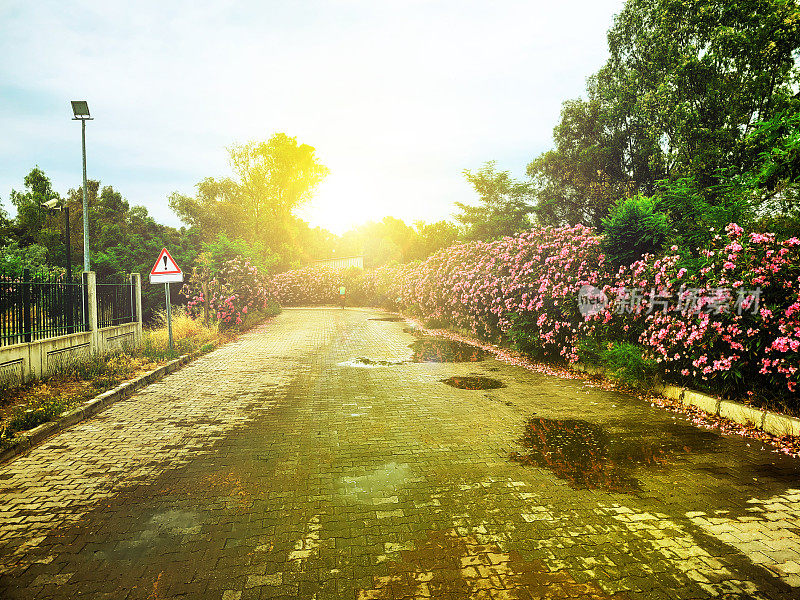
{"points": [[29, 416], [255, 317], [521, 335], [632, 229]]}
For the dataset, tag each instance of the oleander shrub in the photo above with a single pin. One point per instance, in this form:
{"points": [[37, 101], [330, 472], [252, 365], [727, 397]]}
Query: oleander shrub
{"points": [[235, 290], [725, 318]]}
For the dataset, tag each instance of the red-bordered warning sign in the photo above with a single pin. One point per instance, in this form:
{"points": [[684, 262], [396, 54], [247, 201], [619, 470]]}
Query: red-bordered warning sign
{"points": [[165, 269]]}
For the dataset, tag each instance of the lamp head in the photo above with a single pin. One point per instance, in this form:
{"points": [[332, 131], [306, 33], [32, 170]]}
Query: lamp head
{"points": [[54, 204]]}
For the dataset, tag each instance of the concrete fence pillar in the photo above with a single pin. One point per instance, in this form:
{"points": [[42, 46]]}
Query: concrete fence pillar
{"points": [[136, 282], [90, 285]]}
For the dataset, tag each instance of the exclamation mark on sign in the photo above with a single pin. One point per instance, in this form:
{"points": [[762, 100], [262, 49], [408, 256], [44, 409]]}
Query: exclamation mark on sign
{"points": [[165, 263]]}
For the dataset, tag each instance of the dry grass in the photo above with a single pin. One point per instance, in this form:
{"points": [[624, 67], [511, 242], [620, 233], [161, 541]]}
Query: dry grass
{"points": [[188, 334]]}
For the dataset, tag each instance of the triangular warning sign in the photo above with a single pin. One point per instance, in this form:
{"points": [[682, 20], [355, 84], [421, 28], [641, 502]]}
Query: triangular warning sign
{"points": [[165, 265]]}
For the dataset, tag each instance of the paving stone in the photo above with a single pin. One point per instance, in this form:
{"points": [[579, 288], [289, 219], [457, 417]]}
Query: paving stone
{"points": [[277, 467]]}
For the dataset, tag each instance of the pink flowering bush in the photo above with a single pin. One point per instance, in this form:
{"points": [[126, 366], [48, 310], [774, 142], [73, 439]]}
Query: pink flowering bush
{"points": [[727, 319], [729, 323], [523, 286], [320, 285], [236, 291]]}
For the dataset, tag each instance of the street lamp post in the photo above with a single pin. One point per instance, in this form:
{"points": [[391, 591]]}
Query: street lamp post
{"points": [[80, 108]]}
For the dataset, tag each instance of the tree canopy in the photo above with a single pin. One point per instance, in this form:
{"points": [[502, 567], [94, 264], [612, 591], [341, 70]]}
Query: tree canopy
{"points": [[504, 204], [271, 180], [275, 177], [685, 90]]}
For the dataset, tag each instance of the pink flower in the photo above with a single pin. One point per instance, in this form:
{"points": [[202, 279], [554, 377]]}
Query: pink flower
{"points": [[733, 230]]}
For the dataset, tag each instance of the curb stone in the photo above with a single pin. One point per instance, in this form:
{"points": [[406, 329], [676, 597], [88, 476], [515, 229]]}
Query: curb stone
{"points": [[771, 422], [33, 437]]}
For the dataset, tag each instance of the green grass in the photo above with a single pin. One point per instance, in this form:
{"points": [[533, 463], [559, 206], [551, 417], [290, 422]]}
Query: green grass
{"points": [[623, 362], [28, 418]]}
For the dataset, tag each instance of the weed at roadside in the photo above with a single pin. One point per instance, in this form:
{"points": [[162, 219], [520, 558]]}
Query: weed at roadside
{"points": [[623, 362]]}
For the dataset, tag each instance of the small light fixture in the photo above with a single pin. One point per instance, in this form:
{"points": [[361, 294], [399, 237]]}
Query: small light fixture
{"points": [[80, 108]]}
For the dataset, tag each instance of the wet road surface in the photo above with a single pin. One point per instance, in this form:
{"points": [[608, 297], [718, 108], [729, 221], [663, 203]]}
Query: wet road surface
{"points": [[321, 456]]}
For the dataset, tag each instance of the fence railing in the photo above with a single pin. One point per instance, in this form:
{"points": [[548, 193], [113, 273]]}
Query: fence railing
{"points": [[116, 303], [38, 306]]}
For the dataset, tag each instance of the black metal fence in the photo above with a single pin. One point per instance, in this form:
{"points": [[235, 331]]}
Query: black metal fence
{"points": [[116, 303], [38, 306]]}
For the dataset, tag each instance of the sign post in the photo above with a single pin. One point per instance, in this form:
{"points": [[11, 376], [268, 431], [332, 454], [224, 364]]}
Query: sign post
{"points": [[166, 271]]}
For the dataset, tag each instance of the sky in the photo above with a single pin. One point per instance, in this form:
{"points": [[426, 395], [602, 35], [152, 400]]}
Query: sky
{"points": [[397, 97]]}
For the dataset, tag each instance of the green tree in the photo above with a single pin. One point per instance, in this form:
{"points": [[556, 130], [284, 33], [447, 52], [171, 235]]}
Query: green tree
{"points": [[581, 178], [774, 177], [6, 233], [686, 83], [380, 243], [431, 237], [392, 241], [218, 207], [14, 258], [34, 223], [274, 178], [314, 243], [504, 204], [687, 80], [74, 201]]}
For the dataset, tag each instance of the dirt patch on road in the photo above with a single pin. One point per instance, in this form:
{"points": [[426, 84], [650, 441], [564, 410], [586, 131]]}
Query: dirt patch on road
{"points": [[446, 565]]}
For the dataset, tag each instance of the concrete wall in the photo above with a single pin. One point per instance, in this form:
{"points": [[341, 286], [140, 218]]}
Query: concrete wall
{"points": [[23, 362]]}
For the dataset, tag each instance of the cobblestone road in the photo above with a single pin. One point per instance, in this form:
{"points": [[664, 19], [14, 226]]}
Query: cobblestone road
{"points": [[281, 466]]}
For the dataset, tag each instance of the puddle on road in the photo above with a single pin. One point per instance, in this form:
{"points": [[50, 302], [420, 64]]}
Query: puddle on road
{"points": [[582, 454], [368, 363], [390, 319], [383, 482], [163, 529], [436, 350], [474, 383]]}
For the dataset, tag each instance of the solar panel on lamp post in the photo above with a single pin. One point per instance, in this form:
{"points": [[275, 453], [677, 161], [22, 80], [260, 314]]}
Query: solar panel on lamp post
{"points": [[80, 108]]}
